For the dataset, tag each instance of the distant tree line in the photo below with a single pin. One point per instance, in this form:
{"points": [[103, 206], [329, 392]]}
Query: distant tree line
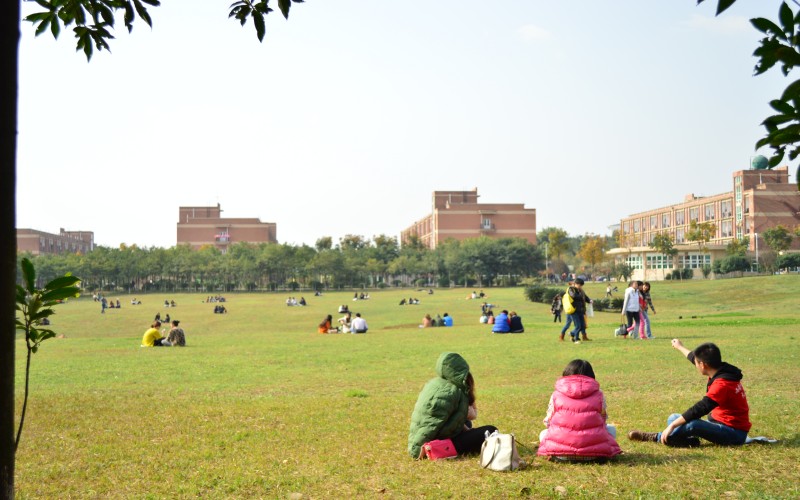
{"points": [[353, 263]]}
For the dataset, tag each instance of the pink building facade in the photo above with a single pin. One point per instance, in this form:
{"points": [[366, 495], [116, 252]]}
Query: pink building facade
{"points": [[200, 226], [459, 215]]}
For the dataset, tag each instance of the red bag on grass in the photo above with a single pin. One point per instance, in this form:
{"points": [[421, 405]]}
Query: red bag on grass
{"points": [[439, 449]]}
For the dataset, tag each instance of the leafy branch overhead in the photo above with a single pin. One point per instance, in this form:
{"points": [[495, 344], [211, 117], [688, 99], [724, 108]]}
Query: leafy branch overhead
{"points": [[93, 19], [780, 45], [243, 9]]}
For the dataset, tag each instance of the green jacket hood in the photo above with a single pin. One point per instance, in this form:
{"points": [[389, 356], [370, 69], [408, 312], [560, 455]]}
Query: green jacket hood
{"points": [[453, 368]]}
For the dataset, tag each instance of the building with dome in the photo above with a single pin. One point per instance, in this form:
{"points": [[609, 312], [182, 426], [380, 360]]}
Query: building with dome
{"points": [[760, 199]]}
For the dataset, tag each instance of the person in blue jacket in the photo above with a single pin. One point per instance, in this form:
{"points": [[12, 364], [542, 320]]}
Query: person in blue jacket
{"points": [[448, 320], [502, 323]]}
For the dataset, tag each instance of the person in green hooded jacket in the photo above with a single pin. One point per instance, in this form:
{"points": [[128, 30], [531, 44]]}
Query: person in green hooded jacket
{"points": [[445, 407]]}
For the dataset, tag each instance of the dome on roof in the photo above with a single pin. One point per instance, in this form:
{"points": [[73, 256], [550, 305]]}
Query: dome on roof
{"points": [[759, 163]]}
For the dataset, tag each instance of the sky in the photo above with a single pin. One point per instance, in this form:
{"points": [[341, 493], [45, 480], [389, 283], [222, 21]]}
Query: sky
{"points": [[351, 113]]}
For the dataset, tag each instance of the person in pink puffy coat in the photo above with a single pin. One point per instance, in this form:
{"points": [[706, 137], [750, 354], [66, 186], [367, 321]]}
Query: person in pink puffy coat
{"points": [[576, 419]]}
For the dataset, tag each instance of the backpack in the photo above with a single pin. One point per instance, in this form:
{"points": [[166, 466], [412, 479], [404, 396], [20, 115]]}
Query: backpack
{"points": [[569, 306]]}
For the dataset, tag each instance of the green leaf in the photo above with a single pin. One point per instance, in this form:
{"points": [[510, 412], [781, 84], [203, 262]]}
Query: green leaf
{"points": [[285, 5], [781, 106], [55, 27], [28, 274], [142, 11], [128, 18], [723, 5], [778, 119], [258, 21], [62, 282], [767, 27], [792, 91], [60, 294], [776, 159], [786, 17]]}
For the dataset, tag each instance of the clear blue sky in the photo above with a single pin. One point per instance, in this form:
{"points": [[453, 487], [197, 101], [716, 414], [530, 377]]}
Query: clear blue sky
{"points": [[350, 114]]}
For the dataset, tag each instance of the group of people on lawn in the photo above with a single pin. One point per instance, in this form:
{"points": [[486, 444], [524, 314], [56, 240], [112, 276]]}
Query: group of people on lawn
{"points": [[153, 336], [347, 324], [576, 427]]}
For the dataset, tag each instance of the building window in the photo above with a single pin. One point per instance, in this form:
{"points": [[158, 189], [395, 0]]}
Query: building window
{"points": [[726, 207], [693, 214], [653, 222], [679, 238], [747, 204], [679, 217], [635, 261], [727, 228], [636, 226], [665, 220], [709, 211], [659, 262], [486, 223], [626, 227]]}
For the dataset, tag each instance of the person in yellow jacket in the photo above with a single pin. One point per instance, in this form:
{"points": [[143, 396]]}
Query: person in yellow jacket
{"points": [[153, 338]]}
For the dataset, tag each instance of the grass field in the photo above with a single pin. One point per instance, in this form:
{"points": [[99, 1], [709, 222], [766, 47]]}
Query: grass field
{"points": [[261, 405]]}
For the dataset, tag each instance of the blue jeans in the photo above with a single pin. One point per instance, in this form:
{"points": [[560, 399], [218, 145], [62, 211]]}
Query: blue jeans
{"points": [[566, 325], [647, 324], [579, 327], [710, 431]]}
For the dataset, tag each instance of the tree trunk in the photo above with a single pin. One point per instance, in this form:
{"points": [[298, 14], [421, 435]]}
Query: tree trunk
{"points": [[9, 55]]}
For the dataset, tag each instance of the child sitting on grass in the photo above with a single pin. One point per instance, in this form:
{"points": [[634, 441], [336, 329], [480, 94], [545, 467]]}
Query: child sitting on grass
{"points": [[725, 403], [576, 418]]}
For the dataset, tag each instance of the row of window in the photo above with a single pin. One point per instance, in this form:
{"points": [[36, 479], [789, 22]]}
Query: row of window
{"points": [[691, 261], [664, 220]]}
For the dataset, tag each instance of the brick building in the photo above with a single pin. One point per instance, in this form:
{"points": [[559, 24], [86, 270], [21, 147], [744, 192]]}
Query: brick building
{"points": [[39, 242], [458, 215], [199, 226], [760, 199]]}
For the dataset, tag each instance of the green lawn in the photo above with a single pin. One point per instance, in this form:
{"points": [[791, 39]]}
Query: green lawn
{"points": [[261, 405]]}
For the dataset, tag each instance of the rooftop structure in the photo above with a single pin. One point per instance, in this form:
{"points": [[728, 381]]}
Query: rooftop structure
{"points": [[199, 226]]}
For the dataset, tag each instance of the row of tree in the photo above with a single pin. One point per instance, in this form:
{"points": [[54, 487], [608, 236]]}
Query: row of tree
{"points": [[353, 262]]}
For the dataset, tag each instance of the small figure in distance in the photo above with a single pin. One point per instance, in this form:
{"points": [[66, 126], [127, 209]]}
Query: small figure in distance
{"points": [[427, 322], [359, 324], [515, 323], [152, 337], [502, 323], [345, 323], [725, 403], [447, 319], [556, 307], [176, 335], [325, 326]]}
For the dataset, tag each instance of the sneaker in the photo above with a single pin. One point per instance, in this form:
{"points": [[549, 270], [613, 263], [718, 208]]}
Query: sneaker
{"points": [[643, 436]]}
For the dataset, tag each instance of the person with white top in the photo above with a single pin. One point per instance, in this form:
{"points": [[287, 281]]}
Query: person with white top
{"points": [[358, 325], [630, 306]]}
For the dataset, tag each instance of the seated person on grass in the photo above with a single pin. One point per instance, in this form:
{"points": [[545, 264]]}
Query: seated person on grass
{"points": [[725, 403], [152, 337], [176, 335]]}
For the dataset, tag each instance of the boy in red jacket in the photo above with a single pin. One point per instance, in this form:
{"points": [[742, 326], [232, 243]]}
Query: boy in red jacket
{"points": [[725, 403]]}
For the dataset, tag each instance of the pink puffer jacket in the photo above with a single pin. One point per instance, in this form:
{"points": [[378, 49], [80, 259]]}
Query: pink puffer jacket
{"points": [[577, 426]]}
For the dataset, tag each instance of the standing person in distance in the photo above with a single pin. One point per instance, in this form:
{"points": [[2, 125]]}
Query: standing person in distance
{"points": [[630, 306]]}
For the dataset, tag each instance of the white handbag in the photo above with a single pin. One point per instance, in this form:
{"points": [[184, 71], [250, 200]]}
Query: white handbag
{"points": [[499, 452]]}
